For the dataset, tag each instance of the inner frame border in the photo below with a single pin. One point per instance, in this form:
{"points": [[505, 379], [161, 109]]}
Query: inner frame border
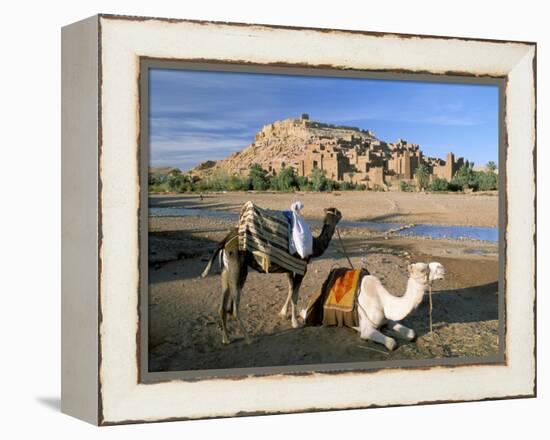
{"points": [[147, 63]]}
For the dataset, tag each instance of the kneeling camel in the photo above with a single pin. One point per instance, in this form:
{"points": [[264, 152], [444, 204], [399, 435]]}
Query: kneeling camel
{"points": [[378, 307]]}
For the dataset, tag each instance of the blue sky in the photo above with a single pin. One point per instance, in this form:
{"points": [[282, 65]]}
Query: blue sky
{"points": [[197, 116]]}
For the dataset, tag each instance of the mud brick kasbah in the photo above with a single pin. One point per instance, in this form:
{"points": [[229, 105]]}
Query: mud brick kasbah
{"points": [[344, 153]]}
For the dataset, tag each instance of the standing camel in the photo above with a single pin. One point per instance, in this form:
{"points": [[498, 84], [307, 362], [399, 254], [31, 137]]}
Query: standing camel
{"points": [[235, 263]]}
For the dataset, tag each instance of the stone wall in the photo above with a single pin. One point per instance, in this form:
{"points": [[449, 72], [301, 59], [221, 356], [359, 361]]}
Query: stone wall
{"points": [[357, 160]]}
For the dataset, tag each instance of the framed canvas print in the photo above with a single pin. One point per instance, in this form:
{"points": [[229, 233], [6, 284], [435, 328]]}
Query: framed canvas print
{"points": [[262, 219]]}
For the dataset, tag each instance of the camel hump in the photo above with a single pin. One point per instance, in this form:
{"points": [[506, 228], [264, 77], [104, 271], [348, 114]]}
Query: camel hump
{"points": [[370, 280]]}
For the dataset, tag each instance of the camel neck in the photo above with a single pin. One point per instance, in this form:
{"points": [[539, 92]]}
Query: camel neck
{"points": [[397, 308], [321, 242], [415, 292]]}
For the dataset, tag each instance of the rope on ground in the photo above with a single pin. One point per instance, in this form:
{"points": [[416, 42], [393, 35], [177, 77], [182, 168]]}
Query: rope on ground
{"points": [[372, 349]]}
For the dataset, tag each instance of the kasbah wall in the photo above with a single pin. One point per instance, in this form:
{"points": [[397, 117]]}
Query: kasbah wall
{"points": [[358, 156]]}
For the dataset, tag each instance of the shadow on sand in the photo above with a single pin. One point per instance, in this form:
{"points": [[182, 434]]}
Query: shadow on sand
{"points": [[458, 306], [191, 202]]}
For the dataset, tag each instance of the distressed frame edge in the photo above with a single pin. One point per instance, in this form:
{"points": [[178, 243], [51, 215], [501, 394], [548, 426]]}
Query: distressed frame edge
{"points": [[124, 17], [532, 157], [80, 121], [105, 422]]}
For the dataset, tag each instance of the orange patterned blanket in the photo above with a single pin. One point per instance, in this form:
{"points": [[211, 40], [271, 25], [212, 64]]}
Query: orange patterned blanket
{"points": [[342, 293], [335, 303]]}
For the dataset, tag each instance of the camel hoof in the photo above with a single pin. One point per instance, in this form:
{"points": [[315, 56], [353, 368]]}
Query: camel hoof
{"points": [[391, 345], [225, 340], [295, 324], [282, 313]]}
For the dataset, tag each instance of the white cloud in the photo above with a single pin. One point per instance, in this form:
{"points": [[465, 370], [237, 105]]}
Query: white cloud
{"points": [[191, 124], [396, 115]]}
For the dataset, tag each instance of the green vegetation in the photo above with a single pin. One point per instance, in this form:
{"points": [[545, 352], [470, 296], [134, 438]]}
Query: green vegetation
{"points": [[491, 167], [468, 179], [405, 187], [285, 180], [486, 181], [439, 184], [464, 178], [258, 178], [422, 176], [318, 180], [174, 181], [303, 183], [345, 186]]}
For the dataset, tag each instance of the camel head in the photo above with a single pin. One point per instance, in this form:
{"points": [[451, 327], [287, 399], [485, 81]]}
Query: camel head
{"points": [[419, 272], [437, 271], [332, 216], [427, 273]]}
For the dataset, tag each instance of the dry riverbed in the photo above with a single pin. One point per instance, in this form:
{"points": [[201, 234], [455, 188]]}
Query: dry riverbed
{"points": [[184, 333]]}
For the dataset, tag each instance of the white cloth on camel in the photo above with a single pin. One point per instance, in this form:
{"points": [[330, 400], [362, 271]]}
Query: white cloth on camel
{"points": [[302, 240]]}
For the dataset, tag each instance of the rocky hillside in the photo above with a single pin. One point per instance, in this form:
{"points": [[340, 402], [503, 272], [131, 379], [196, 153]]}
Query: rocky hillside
{"points": [[279, 142]]}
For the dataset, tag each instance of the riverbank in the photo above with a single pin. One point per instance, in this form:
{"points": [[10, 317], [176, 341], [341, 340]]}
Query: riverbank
{"points": [[428, 208], [184, 332]]}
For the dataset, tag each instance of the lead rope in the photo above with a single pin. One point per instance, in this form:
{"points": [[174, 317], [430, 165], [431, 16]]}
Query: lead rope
{"points": [[351, 265], [364, 312], [344, 249], [430, 296], [431, 306]]}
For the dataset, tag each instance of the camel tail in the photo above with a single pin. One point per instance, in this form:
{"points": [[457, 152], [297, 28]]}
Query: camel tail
{"points": [[204, 273], [220, 248]]}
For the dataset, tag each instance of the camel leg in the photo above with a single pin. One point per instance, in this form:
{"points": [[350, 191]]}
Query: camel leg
{"points": [[242, 275], [402, 331], [224, 307], [236, 275], [367, 332], [284, 310], [234, 266], [235, 294], [296, 283]]}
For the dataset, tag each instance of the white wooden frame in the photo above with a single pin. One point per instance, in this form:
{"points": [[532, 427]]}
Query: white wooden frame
{"points": [[101, 197]]}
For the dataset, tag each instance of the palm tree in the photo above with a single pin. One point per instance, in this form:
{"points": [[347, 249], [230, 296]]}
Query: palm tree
{"points": [[422, 176], [491, 166]]}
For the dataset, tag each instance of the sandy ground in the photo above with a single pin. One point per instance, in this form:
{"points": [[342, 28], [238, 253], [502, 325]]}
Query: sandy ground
{"points": [[446, 209], [183, 329]]}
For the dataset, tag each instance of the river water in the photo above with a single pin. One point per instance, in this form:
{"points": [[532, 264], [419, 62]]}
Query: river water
{"points": [[480, 233]]}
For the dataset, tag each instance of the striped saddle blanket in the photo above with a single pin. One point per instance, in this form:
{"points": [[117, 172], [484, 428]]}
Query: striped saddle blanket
{"points": [[266, 233]]}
